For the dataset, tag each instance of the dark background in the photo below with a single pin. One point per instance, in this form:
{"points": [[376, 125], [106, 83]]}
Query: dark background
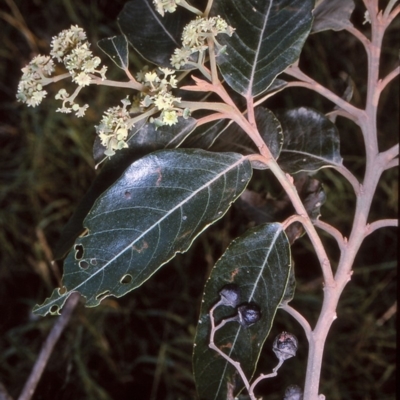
{"points": [[139, 346]]}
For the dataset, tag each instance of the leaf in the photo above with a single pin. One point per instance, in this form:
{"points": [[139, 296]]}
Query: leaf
{"points": [[234, 138], [116, 48], [291, 287], [143, 139], [153, 36], [262, 207], [268, 38], [310, 141], [161, 203], [205, 135], [259, 263], [333, 15]]}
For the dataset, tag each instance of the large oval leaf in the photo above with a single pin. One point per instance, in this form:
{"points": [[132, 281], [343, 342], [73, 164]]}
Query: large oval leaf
{"points": [[310, 141], [156, 209], [268, 38], [258, 263], [143, 139], [153, 36]]}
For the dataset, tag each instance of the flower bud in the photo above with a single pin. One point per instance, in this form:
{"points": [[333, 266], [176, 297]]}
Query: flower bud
{"points": [[249, 314], [293, 392], [230, 295], [285, 346]]}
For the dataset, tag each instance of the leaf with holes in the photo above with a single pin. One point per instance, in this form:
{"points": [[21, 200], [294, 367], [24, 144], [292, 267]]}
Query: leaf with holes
{"points": [[258, 262], [143, 139], [153, 36], [116, 48], [161, 203], [310, 141], [268, 37]]}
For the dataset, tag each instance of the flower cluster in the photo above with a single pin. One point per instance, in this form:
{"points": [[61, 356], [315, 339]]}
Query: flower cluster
{"points": [[160, 82], [30, 87], [163, 6], [195, 35], [71, 48], [114, 127]]}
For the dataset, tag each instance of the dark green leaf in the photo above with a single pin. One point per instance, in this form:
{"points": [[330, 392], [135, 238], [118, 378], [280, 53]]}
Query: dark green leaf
{"points": [[205, 135], [116, 48], [143, 139], [310, 141], [291, 287], [333, 15], [235, 139], [161, 203], [269, 37], [259, 263], [153, 36]]}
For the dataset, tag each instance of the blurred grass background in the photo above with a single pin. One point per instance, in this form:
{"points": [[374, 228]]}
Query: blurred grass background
{"points": [[139, 346]]}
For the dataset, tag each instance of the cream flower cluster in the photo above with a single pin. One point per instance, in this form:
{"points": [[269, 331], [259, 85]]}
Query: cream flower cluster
{"points": [[30, 87], [163, 6], [195, 35], [71, 48], [114, 127], [160, 82]]}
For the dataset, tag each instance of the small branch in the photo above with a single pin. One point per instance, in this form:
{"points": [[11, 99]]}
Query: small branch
{"points": [[392, 163], [299, 318], [291, 220], [387, 79], [382, 223], [393, 15], [208, 8], [213, 63], [309, 83], [350, 177], [262, 377], [361, 37], [210, 118], [389, 7], [391, 153], [186, 5], [212, 346], [332, 231], [47, 348], [96, 80]]}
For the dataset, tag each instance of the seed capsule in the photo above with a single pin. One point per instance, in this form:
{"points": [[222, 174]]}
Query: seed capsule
{"points": [[293, 392], [285, 346], [249, 314], [230, 295]]}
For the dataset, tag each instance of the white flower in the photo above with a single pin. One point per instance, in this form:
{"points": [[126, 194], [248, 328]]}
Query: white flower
{"points": [[170, 117], [82, 79], [163, 6]]}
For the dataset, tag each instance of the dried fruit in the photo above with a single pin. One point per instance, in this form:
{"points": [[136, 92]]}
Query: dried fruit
{"points": [[293, 392], [285, 346], [230, 295], [249, 314]]}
